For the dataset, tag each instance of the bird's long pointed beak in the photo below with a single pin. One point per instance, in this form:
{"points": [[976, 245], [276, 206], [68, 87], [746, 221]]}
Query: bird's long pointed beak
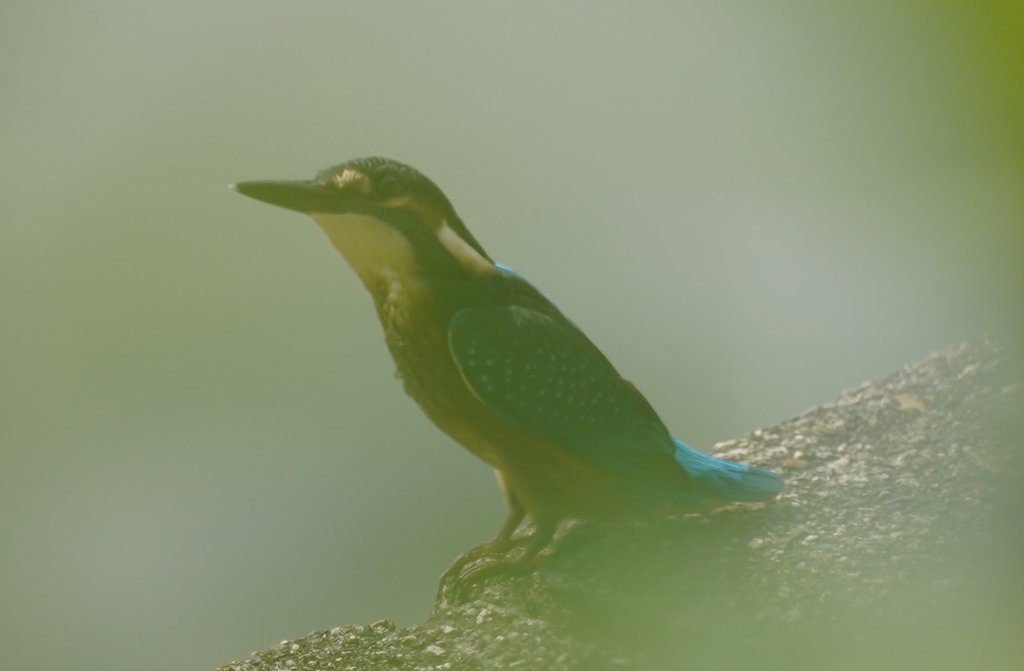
{"points": [[300, 196]]}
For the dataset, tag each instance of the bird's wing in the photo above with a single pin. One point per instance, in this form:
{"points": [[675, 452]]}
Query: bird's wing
{"points": [[545, 376]]}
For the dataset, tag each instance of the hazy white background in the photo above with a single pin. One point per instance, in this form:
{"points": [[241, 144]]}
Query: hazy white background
{"points": [[748, 206]]}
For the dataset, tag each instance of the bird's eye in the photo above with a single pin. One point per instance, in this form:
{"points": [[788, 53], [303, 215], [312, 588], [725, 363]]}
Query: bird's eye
{"points": [[387, 185]]}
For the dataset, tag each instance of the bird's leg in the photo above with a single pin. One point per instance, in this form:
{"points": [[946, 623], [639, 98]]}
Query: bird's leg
{"points": [[541, 538], [455, 587], [483, 561], [516, 512], [457, 591], [500, 543]]}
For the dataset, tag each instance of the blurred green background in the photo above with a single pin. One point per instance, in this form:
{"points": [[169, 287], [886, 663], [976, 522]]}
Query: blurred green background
{"points": [[748, 206]]}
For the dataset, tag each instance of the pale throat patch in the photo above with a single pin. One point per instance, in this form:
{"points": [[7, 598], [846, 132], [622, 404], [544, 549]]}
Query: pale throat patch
{"points": [[370, 246]]}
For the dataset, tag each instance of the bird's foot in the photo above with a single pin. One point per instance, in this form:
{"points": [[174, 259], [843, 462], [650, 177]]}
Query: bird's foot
{"points": [[458, 576], [457, 589], [497, 557]]}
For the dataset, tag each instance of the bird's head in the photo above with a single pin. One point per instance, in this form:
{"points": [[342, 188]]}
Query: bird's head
{"points": [[384, 217]]}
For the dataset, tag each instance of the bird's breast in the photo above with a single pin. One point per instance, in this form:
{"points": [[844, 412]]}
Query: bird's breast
{"points": [[416, 333]]}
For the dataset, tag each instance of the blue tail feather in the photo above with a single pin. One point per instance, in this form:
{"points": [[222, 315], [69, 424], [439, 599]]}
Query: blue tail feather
{"points": [[726, 480]]}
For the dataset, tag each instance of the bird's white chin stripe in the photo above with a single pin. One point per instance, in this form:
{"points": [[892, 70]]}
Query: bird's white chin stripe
{"points": [[368, 244], [464, 253], [371, 246]]}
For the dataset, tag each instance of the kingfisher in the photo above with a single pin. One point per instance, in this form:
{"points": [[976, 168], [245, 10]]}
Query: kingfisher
{"points": [[498, 368]]}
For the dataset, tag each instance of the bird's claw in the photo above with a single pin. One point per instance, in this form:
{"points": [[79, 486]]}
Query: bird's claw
{"points": [[477, 563]]}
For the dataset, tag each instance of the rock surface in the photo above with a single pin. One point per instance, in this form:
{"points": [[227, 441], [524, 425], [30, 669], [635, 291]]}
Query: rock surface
{"points": [[897, 543]]}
